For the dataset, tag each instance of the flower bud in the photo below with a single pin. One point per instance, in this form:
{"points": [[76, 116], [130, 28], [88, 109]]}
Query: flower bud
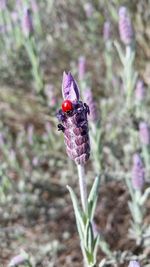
{"points": [[125, 26], [138, 173], [144, 133]]}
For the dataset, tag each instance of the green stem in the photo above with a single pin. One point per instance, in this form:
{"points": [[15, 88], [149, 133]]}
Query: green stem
{"points": [[83, 186]]}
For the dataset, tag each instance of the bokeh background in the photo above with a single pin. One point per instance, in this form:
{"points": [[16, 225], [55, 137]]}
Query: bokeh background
{"points": [[36, 214]]}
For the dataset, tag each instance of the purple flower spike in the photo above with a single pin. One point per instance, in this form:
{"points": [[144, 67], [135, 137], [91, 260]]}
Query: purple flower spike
{"points": [[125, 26], [139, 90], [88, 97], [27, 23], [81, 67], [74, 123], [138, 173], [106, 31], [144, 133], [134, 264], [70, 88]]}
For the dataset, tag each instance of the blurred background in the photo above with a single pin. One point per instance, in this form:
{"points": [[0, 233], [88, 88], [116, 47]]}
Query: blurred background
{"points": [[38, 41]]}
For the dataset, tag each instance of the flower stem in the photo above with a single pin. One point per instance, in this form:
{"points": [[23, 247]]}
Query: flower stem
{"points": [[83, 186]]}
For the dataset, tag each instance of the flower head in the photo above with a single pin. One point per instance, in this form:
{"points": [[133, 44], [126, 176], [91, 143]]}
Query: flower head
{"points": [[125, 26], [74, 123], [138, 172]]}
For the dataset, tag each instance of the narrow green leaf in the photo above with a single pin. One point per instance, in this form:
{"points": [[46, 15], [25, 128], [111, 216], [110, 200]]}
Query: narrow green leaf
{"points": [[78, 213], [93, 196], [89, 236]]}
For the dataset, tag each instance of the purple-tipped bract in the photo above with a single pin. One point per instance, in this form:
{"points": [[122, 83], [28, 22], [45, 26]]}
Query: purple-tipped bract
{"points": [[74, 123], [70, 88]]}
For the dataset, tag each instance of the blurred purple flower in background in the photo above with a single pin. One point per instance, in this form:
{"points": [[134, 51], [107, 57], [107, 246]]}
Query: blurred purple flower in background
{"points": [[81, 67], [15, 16], [138, 173], [144, 133], [139, 90], [30, 133], [134, 263], [51, 98], [2, 4], [106, 31], [27, 23], [1, 140], [34, 6], [88, 98], [48, 127], [19, 259], [89, 9], [125, 26]]}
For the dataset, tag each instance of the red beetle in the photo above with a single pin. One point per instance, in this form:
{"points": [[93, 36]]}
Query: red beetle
{"points": [[67, 105]]}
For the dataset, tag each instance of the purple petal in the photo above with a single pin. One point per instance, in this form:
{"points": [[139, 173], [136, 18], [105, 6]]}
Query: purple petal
{"points": [[70, 89]]}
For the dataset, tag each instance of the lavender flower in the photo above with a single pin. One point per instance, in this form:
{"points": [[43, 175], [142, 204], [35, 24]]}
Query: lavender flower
{"points": [[125, 26], [27, 23], [139, 90], [74, 123], [88, 98], [19, 259], [89, 10], [134, 264], [81, 67], [144, 133], [106, 31], [138, 173]]}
